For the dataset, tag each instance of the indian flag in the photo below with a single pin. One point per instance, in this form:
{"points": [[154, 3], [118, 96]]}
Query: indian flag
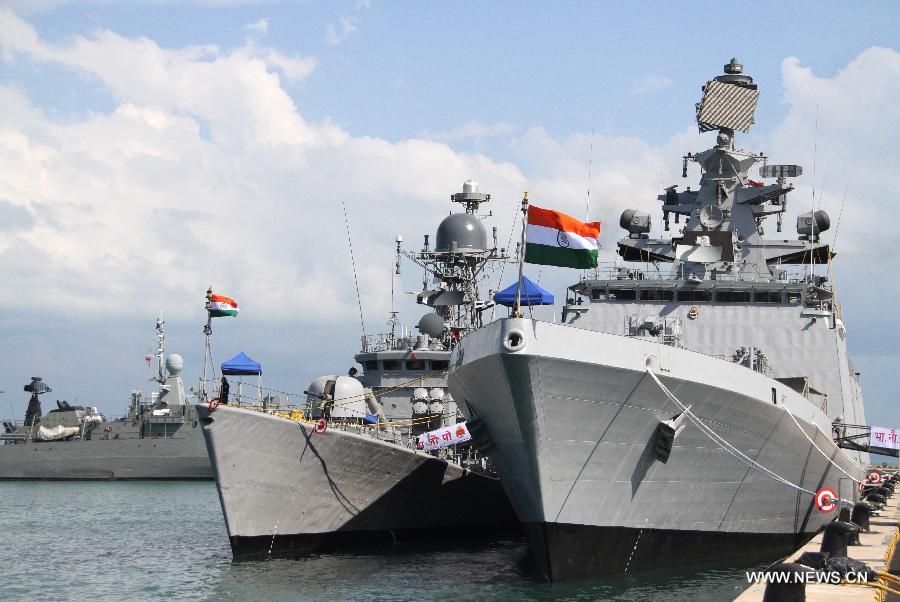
{"points": [[219, 306], [554, 238]]}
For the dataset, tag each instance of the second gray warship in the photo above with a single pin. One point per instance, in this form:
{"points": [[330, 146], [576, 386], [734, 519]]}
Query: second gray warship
{"points": [[677, 415], [159, 439], [350, 467]]}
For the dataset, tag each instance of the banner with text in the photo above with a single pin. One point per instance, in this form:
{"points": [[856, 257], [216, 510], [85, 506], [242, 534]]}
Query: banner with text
{"points": [[442, 437], [884, 437]]}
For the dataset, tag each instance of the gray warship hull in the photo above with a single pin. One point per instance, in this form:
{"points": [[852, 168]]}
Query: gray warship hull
{"points": [[109, 459], [571, 416], [286, 489]]}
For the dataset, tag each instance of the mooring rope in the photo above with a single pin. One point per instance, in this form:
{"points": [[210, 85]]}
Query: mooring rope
{"points": [[818, 448], [728, 447]]}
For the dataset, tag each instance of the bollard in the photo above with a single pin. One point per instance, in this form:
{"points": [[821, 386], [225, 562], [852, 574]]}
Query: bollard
{"points": [[795, 591], [876, 499], [861, 513], [834, 541]]}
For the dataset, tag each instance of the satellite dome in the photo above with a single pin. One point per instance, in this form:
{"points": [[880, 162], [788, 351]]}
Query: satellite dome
{"points": [[432, 324], [174, 364], [420, 393], [463, 229], [436, 393], [435, 408], [419, 408]]}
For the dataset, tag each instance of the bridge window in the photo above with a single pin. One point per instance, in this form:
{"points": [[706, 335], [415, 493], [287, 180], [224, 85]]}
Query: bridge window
{"points": [[440, 364], [695, 295], [415, 364], [598, 294], [767, 296], [370, 365], [655, 294], [391, 364], [733, 296], [622, 294]]}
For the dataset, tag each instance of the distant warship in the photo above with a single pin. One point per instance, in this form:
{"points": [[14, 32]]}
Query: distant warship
{"points": [[671, 417], [158, 439], [350, 467]]}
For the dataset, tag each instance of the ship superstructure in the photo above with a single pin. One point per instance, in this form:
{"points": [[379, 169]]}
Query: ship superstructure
{"points": [[347, 468], [608, 429]]}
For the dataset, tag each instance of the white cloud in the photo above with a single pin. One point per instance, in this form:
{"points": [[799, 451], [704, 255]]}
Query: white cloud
{"points": [[650, 83], [345, 27], [206, 171], [472, 130], [260, 27]]}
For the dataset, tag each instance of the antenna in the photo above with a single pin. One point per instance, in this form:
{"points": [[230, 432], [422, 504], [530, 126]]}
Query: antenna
{"points": [[353, 263], [587, 209]]}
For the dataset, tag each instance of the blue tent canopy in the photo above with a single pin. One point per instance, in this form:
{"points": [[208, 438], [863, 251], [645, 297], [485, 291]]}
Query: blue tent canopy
{"points": [[241, 365], [532, 294]]}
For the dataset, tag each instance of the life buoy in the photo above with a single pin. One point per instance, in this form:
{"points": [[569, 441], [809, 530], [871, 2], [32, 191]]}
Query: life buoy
{"points": [[108, 429], [213, 404], [321, 426]]}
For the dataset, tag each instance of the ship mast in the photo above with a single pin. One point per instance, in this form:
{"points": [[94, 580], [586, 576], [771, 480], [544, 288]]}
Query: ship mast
{"points": [[455, 265], [723, 234]]}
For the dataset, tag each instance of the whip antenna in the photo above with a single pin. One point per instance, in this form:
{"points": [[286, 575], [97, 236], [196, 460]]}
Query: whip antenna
{"points": [[353, 263]]}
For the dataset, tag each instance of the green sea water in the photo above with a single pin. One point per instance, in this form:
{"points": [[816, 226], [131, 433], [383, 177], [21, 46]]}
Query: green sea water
{"points": [[152, 540]]}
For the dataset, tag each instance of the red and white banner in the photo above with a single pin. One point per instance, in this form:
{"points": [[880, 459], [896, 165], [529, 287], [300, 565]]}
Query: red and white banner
{"points": [[881, 436], [442, 437]]}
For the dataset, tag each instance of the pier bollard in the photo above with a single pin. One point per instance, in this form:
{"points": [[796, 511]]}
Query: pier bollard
{"points": [[861, 513], [794, 591], [876, 499], [834, 540], [844, 514], [885, 491]]}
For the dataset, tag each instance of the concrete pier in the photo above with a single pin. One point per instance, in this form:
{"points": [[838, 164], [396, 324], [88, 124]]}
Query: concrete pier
{"points": [[878, 551]]}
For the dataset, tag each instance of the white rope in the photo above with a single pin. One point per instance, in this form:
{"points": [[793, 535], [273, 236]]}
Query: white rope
{"points": [[728, 447], [817, 447]]}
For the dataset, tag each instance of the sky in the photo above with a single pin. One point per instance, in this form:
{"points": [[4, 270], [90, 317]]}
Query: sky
{"points": [[150, 149]]}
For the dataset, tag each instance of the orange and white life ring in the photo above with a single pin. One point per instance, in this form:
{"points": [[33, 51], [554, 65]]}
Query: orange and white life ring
{"points": [[213, 404], [321, 426]]}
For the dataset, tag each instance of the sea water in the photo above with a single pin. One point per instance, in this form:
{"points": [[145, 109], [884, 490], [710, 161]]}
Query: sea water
{"points": [[142, 540]]}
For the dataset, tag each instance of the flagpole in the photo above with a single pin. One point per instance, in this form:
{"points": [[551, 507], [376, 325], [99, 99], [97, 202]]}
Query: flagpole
{"points": [[207, 352], [517, 309]]}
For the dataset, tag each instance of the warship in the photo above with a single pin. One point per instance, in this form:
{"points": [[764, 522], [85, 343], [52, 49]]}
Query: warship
{"points": [[682, 411], [159, 439], [353, 466]]}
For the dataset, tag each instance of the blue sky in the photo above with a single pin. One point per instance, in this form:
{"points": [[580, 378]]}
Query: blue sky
{"points": [[150, 148]]}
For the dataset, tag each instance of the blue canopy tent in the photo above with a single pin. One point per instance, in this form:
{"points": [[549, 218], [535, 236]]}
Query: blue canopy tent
{"points": [[532, 294], [242, 365]]}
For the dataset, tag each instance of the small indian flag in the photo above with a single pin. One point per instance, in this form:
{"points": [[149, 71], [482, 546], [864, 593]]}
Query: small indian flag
{"points": [[554, 238], [219, 306]]}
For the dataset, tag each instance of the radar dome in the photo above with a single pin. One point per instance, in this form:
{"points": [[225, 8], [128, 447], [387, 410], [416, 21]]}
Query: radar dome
{"points": [[174, 364], [349, 398], [461, 231], [420, 393], [436, 393], [432, 325]]}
